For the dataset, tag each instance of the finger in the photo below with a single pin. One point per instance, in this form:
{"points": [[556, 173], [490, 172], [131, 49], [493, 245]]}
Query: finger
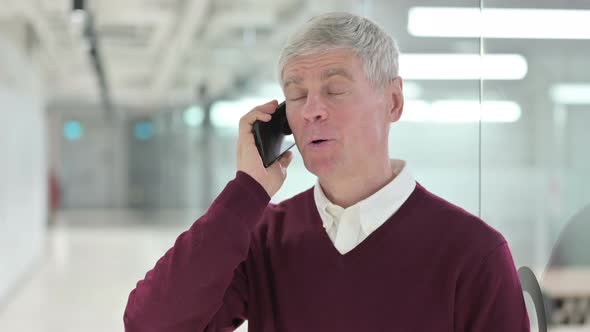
{"points": [[255, 115], [283, 161], [251, 117], [286, 159], [248, 120], [269, 107], [274, 103]]}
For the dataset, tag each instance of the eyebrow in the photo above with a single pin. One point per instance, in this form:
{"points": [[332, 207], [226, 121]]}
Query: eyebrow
{"points": [[292, 80], [324, 76], [336, 72]]}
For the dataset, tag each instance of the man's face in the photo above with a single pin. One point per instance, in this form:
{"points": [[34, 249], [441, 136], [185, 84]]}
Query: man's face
{"points": [[339, 119]]}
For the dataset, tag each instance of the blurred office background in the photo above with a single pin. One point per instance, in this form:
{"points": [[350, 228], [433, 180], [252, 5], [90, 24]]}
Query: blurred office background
{"points": [[118, 124]]}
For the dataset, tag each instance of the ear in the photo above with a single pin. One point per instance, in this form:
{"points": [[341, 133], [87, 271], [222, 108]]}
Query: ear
{"points": [[395, 95]]}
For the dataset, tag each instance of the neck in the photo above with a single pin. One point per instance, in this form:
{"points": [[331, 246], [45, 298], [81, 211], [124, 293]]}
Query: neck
{"points": [[347, 190]]}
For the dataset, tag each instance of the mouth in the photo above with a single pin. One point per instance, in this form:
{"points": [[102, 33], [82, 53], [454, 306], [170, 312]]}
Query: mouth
{"points": [[319, 142]]}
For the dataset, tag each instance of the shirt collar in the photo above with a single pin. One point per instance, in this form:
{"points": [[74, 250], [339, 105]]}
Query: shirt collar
{"points": [[323, 205], [375, 209]]}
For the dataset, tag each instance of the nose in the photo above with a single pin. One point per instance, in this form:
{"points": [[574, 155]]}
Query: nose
{"points": [[314, 109]]}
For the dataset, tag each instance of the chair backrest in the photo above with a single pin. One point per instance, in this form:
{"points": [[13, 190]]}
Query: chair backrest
{"points": [[529, 284]]}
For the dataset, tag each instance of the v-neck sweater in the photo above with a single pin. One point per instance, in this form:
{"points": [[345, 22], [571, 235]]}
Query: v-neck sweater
{"points": [[431, 266]]}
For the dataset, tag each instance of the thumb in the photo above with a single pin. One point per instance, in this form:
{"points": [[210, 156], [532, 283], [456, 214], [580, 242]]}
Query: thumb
{"points": [[286, 159], [282, 163]]}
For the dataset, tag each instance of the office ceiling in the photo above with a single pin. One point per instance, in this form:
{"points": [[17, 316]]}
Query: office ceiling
{"points": [[158, 53]]}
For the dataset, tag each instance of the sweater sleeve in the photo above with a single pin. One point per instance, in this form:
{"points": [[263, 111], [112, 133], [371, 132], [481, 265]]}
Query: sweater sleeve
{"points": [[190, 283], [489, 297]]}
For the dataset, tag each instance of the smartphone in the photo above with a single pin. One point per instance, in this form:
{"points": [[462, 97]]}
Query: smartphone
{"points": [[273, 138]]}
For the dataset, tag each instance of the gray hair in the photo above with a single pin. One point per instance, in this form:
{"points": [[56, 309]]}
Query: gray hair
{"points": [[330, 31]]}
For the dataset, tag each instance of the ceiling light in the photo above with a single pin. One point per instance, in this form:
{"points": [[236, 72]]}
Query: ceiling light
{"points": [[227, 113], [499, 23], [570, 93], [412, 90], [461, 111], [462, 66]]}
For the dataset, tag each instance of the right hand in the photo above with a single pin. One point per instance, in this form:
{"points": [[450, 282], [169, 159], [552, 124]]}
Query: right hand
{"points": [[249, 161]]}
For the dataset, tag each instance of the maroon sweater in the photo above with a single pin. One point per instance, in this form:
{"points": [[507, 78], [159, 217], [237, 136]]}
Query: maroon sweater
{"points": [[430, 267]]}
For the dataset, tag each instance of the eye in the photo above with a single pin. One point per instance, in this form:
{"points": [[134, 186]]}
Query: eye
{"points": [[297, 98], [295, 94], [336, 93], [336, 89]]}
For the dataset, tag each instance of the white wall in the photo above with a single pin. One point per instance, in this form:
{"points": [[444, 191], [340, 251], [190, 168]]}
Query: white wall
{"points": [[23, 180]]}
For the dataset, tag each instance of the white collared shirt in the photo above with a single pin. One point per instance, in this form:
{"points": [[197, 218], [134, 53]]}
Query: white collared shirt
{"points": [[358, 221]]}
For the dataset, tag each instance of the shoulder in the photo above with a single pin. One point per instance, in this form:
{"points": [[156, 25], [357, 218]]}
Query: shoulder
{"points": [[300, 209], [296, 204], [457, 228]]}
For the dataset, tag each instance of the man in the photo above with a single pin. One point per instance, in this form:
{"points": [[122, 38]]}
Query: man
{"points": [[366, 249]]}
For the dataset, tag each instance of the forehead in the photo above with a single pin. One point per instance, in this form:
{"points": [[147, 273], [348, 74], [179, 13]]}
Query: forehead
{"points": [[322, 65]]}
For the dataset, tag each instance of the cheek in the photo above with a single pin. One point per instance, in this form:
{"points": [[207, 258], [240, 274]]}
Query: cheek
{"points": [[367, 131], [295, 125]]}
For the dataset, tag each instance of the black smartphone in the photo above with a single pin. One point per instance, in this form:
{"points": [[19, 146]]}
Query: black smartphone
{"points": [[273, 138]]}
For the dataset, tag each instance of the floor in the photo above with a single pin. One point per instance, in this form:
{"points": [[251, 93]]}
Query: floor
{"points": [[92, 262]]}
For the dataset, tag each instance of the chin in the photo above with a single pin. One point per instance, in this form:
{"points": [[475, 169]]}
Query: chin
{"points": [[319, 167]]}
